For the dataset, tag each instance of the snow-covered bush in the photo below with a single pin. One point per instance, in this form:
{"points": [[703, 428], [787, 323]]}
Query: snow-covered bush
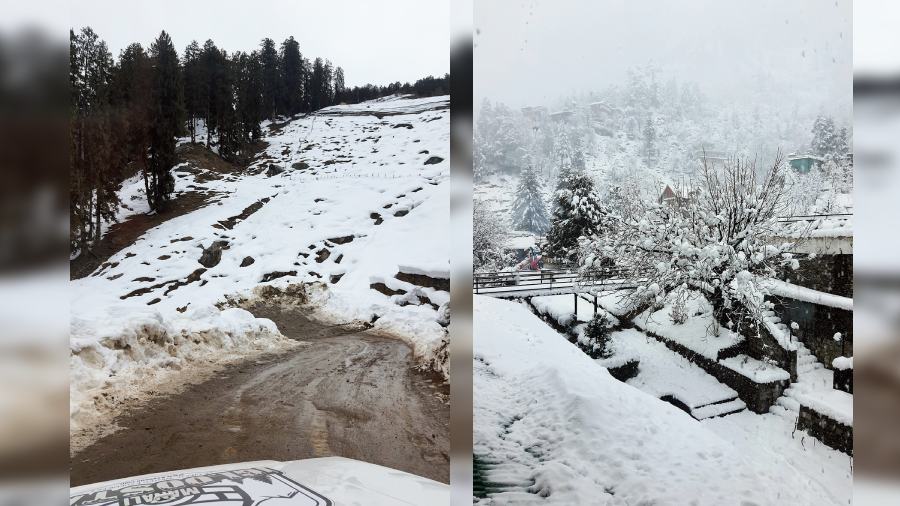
{"points": [[678, 313], [598, 332], [717, 240], [488, 237]]}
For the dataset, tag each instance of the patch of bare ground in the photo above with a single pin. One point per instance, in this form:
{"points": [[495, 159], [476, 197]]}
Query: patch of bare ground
{"points": [[124, 234], [204, 164]]}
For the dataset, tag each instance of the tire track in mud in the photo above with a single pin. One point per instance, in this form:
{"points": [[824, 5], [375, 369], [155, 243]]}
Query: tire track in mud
{"points": [[344, 392]]}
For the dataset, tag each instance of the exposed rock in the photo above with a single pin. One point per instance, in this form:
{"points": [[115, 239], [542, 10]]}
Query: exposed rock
{"points": [[164, 257], [407, 126], [277, 274], [213, 254], [341, 240], [144, 279], [402, 212], [300, 165], [322, 255], [335, 278], [424, 281], [377, 218], [433, 160], [154, 301], [383, 288], [247, 261], [274, 170]]}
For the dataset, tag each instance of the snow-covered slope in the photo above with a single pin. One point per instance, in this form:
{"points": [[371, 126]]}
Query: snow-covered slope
{"points": [[553, 427], [336, 200]]}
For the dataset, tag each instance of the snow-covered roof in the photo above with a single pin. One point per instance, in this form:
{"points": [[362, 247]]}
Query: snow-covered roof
{"points": [[521, 242]]}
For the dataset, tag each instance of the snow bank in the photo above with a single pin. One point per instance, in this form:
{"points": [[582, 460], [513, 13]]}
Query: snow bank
{"points": [[696, 333], [842, 363], [419, 326], [796, 292], [562, 309], [835, 404], [664, 372], [130, 351], [757, 370], [553, 423]]}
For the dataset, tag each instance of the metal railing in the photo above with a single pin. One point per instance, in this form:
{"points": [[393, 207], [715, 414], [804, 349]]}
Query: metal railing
{"points": [[487, 282]]}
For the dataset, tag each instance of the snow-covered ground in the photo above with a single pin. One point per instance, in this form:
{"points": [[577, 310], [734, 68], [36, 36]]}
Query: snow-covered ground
{"points": [[696, 333], [336, 201], [552, 426]]}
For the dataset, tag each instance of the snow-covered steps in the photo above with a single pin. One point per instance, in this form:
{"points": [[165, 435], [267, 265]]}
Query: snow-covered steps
{"points": [[815, 406], [671, 377], [721, 408]]}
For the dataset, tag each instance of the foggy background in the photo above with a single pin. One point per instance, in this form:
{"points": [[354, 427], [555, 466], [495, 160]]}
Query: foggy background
{"points": [[374, 42], [530, 52]]}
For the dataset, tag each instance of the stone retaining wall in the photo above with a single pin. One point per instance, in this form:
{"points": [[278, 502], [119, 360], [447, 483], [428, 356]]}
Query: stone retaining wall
{"points": [[758, 397], [843, 380], [827, 430]]}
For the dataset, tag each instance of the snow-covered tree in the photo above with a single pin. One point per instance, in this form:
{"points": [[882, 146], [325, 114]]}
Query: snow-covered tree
{"points": [[650, 151], [489, 235], [825, 141], [717, 241], [577, 212], [529, 210]]}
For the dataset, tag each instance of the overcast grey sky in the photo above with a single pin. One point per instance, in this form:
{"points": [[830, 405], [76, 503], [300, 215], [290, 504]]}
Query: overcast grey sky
{"points": [[375, 42], [532, 52]]}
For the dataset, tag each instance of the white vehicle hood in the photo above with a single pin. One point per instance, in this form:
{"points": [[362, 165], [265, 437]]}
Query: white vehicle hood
{"points": [[328, 481]]}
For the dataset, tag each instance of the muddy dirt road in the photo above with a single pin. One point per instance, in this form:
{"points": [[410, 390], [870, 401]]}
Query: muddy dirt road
{"points": [[343, 392]]}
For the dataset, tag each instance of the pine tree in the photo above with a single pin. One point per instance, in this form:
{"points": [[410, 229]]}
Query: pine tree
{"points": [[650, 151], [577, 212], [166, 120], [292, 75], [529, 211], [134, 98], [824, 142], [97, 156], [193, 86], [249, 96], [317, 85], [327, 88], [338, 85], [271, 78], [229, 140], [210, 68]]}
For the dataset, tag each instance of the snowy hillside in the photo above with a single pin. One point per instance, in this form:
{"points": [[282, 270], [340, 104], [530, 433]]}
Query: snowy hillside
{"points": [[553, 427], [339, 199]]}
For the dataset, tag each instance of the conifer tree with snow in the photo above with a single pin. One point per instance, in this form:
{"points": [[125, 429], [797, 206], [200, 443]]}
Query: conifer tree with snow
{"points": [[529, 210], [825, 137], [577, 212], [650, 151]]}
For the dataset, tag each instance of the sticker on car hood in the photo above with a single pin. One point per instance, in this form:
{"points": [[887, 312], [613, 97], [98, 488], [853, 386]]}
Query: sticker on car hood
{"points": [[252, 486]]}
